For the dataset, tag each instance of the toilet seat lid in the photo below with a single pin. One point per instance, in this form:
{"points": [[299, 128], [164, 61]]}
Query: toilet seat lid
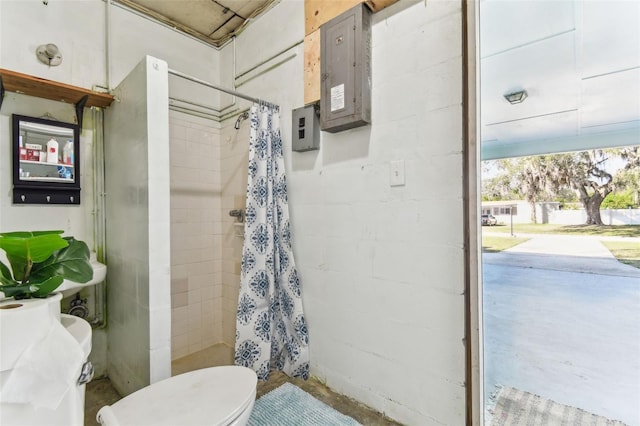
{"points": [[210, 396]]}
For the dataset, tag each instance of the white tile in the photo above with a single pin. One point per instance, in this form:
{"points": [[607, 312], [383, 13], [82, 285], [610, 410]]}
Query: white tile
{"points": [[194, 297], [208, 306], [179, 285], [178, 328], [180, 345], [178, 215], [195, 315], [207, 293], [179, 300], [180, 314], [178, 272]]}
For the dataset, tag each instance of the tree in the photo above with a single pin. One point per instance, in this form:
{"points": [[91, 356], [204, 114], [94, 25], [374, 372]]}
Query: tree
{"points": [[534, 183], [523, 177], [632, 155], [585, 173], [498, 188], [544, 178], [618, 200], [629, 177]]}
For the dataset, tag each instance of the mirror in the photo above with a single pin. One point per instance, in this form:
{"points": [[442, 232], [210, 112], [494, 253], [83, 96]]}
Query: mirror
{"points": [[46, 166]]}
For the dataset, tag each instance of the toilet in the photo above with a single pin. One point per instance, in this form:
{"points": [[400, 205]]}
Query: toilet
{"points": [[220, 396]]}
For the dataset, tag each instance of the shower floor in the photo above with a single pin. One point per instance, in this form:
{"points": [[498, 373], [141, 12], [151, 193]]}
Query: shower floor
{"points": [[213, 356], [100, 392]]}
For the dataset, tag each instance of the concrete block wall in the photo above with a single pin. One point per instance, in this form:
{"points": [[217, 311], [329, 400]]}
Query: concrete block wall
{"points": [[388, 262], [381, 266], [196, 234]]}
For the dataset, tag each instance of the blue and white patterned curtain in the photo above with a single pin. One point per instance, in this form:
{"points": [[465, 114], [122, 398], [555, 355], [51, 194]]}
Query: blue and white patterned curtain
{"points": [[271, 331]]}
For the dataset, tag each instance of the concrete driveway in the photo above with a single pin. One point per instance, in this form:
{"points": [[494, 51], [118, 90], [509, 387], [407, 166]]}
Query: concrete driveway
{"points": [[562, 320]]}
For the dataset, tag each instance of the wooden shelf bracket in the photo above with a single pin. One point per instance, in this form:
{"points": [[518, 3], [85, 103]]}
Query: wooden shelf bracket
{"points": [[80, 109], [1, 92]]}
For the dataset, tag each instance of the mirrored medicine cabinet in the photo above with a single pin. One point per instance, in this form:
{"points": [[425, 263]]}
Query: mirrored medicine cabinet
{"points": [[46, 161]]}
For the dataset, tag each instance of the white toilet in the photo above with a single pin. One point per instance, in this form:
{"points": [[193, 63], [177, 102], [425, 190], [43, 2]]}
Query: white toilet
{"points": [[220, 396]]}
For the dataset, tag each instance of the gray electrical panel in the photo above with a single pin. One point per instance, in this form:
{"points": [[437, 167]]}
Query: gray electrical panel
{"points": [[305, 132], [345, 58]]}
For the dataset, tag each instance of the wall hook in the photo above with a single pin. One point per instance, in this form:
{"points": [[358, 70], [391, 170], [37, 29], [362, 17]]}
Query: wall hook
{"points": [[49, 54]]}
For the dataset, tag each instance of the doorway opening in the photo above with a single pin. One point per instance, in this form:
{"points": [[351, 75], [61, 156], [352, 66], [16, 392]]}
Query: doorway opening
{"points": [[560, 295], [561, 329]]}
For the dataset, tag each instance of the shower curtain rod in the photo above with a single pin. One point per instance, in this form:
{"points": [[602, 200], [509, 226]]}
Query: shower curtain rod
{"points": [[223, 89]]}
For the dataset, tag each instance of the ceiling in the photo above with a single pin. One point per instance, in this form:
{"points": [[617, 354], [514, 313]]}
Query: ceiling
{"points": [[213, 21], [579, 62]]}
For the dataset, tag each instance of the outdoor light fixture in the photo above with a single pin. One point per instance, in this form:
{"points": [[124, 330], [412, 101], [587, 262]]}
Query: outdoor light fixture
{"points": [[516, 97]]}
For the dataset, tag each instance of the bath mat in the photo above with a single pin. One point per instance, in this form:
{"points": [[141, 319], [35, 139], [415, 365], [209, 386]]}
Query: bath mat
{"points": [[288, 405], [513, 407]]}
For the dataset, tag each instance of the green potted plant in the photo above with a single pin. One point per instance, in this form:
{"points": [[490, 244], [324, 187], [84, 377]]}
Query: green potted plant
{"points": [[40, 261]]}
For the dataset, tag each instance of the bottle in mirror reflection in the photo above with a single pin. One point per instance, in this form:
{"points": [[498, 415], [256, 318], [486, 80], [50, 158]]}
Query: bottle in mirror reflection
{"points": [[67, 153], [52, 151]]}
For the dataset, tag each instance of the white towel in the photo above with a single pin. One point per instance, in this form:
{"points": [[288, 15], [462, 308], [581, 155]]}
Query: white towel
{"points": [[45, 371]]}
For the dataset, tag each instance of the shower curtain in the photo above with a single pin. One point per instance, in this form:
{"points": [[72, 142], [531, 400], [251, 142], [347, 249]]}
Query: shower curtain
{"points": [[271, 331]]}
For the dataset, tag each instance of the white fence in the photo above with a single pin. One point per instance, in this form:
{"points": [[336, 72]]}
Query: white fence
{"points": [[609, 217]]}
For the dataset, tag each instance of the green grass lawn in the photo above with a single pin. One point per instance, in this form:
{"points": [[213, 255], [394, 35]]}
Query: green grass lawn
{"points": [[493, 244], [604, 230], [625, 252]]}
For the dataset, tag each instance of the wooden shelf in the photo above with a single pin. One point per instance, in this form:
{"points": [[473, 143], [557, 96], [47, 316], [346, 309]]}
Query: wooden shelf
{"points": [[35, 86]]}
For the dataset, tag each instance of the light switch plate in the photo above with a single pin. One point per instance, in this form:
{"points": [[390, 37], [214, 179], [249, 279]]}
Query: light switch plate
{"points": [[396, 173]]}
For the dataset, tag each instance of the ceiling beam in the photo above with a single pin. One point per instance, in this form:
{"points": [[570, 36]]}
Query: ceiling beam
{"points": [[493, 150]]}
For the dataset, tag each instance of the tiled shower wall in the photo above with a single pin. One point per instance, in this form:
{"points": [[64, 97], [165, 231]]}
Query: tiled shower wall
{"points": [[233, 156], [196, 234]]}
